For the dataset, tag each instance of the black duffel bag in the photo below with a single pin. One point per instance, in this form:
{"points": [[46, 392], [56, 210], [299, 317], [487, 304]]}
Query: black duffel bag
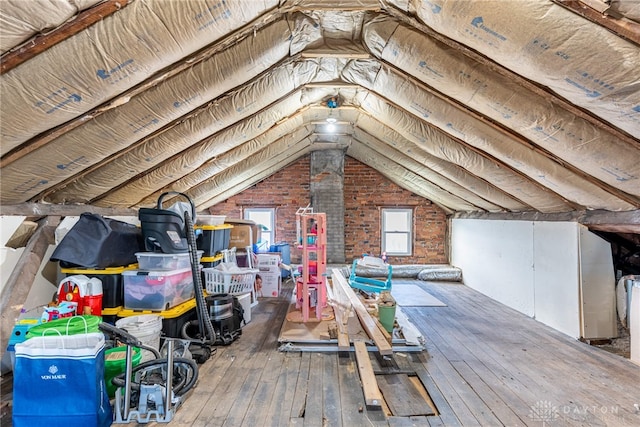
{"points": [[98, 242]]}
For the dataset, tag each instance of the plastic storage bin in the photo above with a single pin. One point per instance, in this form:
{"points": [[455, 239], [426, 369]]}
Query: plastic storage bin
{"points": [[211, 261], [111, 278], [210, 219], [213, 238], [110, 315], [158, 261], [285, 252], [157, 290]]}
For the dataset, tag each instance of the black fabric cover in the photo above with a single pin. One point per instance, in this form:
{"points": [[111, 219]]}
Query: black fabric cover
{"points": [[98, 242]]}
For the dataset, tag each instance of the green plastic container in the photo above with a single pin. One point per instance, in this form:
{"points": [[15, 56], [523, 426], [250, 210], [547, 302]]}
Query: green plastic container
{"points": [[66, 326], [115, 362], [387, 315]]}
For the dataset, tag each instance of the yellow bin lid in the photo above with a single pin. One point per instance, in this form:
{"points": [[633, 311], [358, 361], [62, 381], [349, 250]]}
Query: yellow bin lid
{"points": [[172, 313]]}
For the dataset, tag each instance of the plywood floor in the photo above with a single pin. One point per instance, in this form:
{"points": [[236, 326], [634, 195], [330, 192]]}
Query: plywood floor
{"points": [[484, 365]]}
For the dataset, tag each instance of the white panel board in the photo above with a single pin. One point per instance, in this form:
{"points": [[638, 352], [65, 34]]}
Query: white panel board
{"points": [[8, 225], [8, 259], [556, 276], [597, 287], [496, 258], [634, 322]]}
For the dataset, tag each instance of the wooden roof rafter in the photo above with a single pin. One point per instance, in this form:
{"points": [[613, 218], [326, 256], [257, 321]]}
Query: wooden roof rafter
{"points": [[42, 42]]}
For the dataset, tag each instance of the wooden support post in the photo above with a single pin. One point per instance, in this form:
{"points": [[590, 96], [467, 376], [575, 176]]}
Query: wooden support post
{"points": [[372, 394], [18, 286], [368, 323]]}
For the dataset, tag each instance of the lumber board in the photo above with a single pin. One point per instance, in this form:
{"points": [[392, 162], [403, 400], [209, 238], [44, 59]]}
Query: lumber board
{"points": [[42, 209], [372, 394], [42, 42], [341, 309], [368, 323]]}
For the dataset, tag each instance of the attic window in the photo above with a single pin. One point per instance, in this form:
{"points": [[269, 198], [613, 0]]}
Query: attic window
{"points": [[397, 231]]}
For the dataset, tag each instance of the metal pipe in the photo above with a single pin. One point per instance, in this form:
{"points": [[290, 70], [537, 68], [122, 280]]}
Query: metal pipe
{"points": [[169, 388], [127, 382]]}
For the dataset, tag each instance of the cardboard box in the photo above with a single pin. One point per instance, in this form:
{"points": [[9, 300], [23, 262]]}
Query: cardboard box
{"points": [[271, 283], [244, 233], [268, 262]]}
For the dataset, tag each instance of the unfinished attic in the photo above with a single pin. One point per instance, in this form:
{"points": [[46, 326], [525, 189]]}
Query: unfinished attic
{"points": [[474, 164]]}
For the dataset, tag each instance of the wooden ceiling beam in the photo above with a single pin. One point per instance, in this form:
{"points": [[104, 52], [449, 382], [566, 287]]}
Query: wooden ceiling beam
{"points": [[40, 43], [620, 26], [46, 209]]}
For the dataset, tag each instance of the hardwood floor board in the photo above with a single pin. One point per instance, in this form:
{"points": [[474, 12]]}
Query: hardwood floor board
{"points": [[296, 422], [409, 421], [279, 411], [521, 368], [245, 356], [265, 391], [207, 383], [302, 386], [332, 407], [437, 421], [500, 409], [583, 382], [314, 411], [484, 364], [566, 363], [506, 378]]}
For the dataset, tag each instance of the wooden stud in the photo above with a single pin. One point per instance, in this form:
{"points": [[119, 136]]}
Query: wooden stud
{"points": [[372, 394]]}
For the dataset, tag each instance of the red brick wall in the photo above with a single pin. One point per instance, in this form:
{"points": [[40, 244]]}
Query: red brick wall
{"points": [[366, 191]]}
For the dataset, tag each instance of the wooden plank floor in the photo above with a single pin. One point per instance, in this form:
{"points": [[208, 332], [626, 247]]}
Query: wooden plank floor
{"points": [[484, 365]]}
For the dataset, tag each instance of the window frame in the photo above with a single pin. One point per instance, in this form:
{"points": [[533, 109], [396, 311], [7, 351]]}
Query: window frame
{"points": [[384, 232], [272, 232]]}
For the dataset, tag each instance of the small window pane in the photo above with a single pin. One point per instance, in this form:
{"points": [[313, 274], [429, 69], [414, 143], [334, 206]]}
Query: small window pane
{"points": [[397, 243], [397, 221]]}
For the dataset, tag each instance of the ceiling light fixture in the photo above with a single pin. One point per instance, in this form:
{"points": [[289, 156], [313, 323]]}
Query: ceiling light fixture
{"points": [[332, 104]]}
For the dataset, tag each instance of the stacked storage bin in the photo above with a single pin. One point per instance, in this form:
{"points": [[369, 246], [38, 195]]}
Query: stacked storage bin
{"points": [[163, 285], [212, 240]]}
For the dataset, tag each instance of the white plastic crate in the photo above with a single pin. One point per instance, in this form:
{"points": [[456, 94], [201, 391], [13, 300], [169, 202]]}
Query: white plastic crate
{"points": [[232, 281]]}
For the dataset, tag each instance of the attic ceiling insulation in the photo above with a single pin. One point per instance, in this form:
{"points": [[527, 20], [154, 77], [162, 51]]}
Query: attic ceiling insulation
{"points": [[479, 106]]}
